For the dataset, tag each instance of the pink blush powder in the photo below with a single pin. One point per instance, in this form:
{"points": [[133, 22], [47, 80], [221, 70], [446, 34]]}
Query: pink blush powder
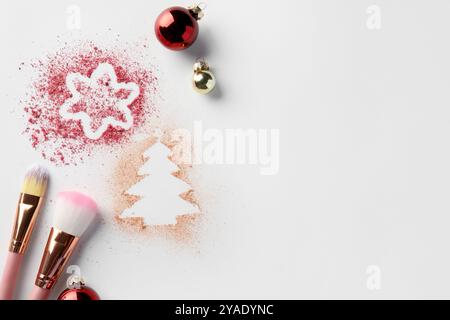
{"points": [[63, 141]]}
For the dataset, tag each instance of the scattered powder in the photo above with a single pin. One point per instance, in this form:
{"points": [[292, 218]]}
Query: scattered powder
{"points": [[63, 141], [125, 176]]}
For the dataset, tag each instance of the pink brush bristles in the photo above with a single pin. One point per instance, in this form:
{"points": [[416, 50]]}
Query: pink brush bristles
{"points": [[74, 212], [79, 199]]}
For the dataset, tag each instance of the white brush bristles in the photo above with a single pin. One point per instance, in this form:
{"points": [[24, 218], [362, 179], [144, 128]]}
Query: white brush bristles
{"points": [[35, 181], [74, 212]]}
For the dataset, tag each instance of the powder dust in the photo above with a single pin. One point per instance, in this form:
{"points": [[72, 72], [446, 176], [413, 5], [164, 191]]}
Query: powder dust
{"points": [[63, 141], [125, 175]]}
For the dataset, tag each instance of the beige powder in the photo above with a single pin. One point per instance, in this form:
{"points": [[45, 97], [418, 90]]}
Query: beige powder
{"points": [[125, 175]]}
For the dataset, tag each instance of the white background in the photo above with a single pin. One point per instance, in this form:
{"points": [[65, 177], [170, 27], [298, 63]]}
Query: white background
{"points": [[364, 153]]}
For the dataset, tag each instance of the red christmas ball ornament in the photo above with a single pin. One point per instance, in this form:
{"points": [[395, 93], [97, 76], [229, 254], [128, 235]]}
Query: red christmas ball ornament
{"points": [[177, 27], [78, 291], [83, 293]]}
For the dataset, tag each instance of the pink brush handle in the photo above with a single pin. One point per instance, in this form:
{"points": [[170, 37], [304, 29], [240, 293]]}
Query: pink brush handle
{"points": [[39, 294], [10, 274]]}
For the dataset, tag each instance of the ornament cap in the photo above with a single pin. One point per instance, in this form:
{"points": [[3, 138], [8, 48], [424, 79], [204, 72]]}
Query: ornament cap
{"points": [[75, 281], [196, 11], [201, 65]]}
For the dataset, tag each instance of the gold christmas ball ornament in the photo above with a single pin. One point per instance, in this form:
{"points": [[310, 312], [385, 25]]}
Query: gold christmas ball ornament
{"points": [[203, 80]]}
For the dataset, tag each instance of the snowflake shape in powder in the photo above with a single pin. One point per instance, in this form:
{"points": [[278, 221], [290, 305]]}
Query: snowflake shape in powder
{"points": [[99, 101]]}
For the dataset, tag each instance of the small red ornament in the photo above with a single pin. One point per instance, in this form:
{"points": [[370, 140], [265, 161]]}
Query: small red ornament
{"points": [[83, 293], [177, 28], [78, 291]]}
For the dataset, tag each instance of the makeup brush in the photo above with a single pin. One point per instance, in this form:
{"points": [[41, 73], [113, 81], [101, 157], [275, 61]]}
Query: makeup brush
{"points": [[74, 212], [33, 190]]}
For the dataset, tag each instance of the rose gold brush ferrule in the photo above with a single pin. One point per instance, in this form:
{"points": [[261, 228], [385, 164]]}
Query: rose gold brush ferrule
{"points": [[58, 250], [26, 213]]}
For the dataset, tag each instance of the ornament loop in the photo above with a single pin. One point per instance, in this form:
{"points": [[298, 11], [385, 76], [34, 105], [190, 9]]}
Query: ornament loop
{"points": [[202, 6]]}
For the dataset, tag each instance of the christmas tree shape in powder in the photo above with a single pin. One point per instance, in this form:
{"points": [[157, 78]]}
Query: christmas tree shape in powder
{"points": [[159, 191]]}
